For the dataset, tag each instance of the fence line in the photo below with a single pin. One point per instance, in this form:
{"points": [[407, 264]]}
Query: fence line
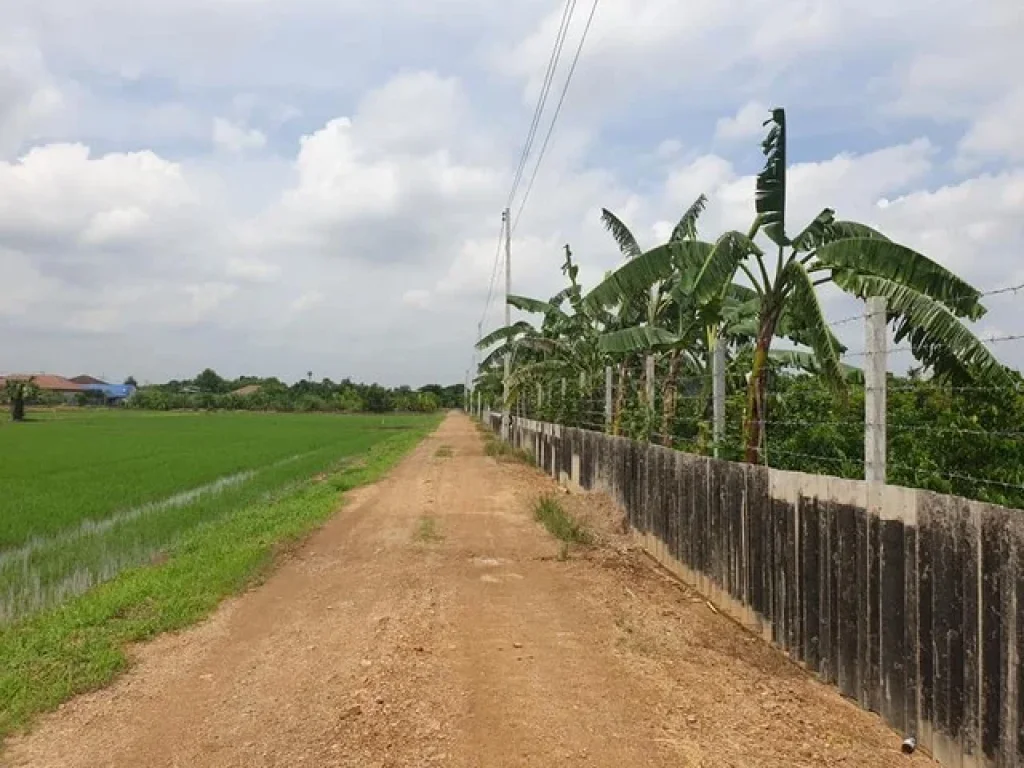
{"points": [[906, 601]]}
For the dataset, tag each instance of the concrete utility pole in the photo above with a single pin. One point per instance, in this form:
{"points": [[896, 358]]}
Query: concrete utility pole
{"points": [[876, 365], [505, 416], [718, 392]]}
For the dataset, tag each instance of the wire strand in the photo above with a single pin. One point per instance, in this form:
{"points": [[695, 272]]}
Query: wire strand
{"points": [[494, 275], [542, 97], [554, 118]]}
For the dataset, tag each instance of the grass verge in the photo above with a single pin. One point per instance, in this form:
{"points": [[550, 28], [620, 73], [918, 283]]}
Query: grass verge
{"points": [[80, 646], [496, 448], [549, 512]]}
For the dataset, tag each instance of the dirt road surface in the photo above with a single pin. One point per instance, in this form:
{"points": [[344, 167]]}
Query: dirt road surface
{"points": [[432, 622]]}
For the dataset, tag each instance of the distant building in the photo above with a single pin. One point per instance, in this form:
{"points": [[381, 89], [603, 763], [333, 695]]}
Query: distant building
{"points": [[113, 394], [251, 389], [47, 382]]}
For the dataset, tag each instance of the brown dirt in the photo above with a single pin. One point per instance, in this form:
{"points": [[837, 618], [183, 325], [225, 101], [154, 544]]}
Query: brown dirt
{"points": [[478, 647]]}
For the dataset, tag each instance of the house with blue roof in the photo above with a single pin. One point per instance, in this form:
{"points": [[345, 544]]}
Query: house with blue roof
{"points": [[113, 394]]}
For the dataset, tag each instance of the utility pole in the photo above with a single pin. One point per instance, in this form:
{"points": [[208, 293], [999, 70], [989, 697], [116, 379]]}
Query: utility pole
{"points": [[505, 416], [475, 370]]}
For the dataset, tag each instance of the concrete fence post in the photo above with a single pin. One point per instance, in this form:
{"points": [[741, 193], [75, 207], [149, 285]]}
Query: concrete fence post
{"points": [[718, 393], [649, 380], [875, 368], [609, 386]]}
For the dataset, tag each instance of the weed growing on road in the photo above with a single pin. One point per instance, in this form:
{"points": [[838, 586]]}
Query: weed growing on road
{"points": [[444, 452], [79, 646], [426, 530], [560, 523]]}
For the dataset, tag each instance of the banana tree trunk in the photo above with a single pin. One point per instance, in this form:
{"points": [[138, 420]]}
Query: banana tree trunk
{"points": [[753, 427], [668, 397]]}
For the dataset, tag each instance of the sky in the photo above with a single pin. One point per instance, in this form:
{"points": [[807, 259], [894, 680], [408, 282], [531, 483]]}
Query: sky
{"points": [[270, 187]]}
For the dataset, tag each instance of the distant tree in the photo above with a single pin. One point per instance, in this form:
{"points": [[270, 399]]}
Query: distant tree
{"points": [[210, 381], [349, 401], [131, 382], [378, 399], [17, 392]]}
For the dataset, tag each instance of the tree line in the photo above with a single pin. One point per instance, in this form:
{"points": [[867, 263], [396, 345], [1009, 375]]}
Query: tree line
{"points": [[209, 391]]}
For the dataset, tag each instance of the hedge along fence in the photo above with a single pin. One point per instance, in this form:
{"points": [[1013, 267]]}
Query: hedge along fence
{"points": [[910, 602]]}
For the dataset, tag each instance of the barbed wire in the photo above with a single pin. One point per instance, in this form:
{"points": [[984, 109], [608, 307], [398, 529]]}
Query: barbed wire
{"points": [[860, 425], [917, 471]]}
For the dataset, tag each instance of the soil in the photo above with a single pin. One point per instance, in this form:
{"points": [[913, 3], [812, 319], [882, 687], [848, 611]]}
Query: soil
{"points": [[481, 645]]}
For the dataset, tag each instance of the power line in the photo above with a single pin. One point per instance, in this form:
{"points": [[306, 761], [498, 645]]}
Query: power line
{"points": [[549, 76], [494, 275], [542, 98], [558, 110]]}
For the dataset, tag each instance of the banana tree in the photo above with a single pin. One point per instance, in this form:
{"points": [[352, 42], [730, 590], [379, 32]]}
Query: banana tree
{"points": [[925, 300], [562, 347], [643, 298], [683, 329]]}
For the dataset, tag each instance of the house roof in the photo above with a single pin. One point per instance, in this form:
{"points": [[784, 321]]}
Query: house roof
{"points": [[83, 379], [45, 381], [251, 389]]}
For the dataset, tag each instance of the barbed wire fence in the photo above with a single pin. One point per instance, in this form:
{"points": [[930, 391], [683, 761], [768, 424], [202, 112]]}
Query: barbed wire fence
{"points": [[962, 439]]}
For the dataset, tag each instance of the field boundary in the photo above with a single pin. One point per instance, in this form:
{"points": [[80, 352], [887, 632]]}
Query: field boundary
{"points": [[81, 645]]}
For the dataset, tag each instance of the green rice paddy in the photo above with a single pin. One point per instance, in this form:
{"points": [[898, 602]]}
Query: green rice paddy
{"points": [[84, 495], [117, 526]]}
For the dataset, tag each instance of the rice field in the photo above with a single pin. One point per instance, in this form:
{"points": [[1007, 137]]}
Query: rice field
{"points": [[85, 495]]}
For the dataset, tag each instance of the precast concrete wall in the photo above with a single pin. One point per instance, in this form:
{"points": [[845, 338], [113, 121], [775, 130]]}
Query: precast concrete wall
{"points": [[910, 602]]}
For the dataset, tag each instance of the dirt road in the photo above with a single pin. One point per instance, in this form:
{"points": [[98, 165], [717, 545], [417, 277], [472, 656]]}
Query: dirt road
{"points": [[432, 623]]}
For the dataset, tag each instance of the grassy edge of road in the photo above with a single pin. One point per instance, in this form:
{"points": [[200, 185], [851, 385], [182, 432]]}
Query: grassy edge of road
{"points": [[81, 645]]}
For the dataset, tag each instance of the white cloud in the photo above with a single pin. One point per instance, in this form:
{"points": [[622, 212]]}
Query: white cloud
{"points": [[112, 225], [236, 138], [362, 191], [253, 270], [668, 148], [747, 122], [60, 193], [308, 300], [995, 133], [29, 95], [416, 297], [188, 237]]}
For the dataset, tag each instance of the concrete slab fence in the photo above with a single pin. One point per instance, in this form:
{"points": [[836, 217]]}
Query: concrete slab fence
{"points": [[908, 601]]}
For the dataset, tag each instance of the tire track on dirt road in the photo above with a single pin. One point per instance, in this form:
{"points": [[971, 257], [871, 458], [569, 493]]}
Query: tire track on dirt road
{"points": [[463, 641]]}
